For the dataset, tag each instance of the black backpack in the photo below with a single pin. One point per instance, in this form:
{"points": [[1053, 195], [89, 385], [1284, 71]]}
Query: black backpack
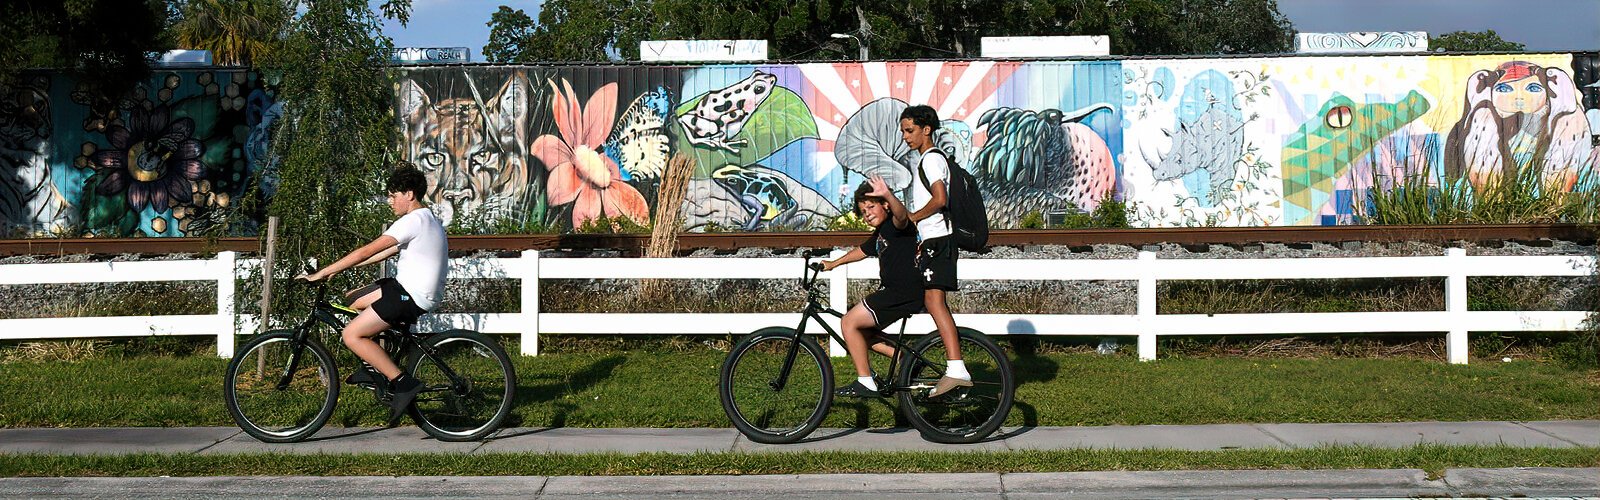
{"points": [[963, 207]]}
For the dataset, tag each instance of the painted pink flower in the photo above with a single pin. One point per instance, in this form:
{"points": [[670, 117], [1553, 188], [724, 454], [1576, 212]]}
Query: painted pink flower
{"points": [[579, 172]]}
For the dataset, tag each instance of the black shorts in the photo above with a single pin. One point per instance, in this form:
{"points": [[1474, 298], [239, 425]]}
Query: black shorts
{"points": [[395, 306], [936, 261], [888, 306]]}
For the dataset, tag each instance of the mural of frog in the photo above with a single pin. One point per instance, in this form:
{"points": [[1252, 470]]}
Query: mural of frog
{"points": [[1326, 145], [721, 115], [763, 194]]}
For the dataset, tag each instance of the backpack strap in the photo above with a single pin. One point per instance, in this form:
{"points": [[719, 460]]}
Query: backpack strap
{"points": [[922, 175]]}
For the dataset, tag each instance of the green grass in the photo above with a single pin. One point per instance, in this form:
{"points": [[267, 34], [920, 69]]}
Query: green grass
{"points": [[1432, 458], [678, 389]]}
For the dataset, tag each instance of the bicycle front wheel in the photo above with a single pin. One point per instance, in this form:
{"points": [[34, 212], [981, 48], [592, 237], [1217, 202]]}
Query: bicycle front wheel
{"points": [[965, 415], [468, 386], [764, 405], [279, 390]]}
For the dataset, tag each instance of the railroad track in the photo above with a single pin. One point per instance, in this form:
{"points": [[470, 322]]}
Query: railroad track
{"points": [[633, 244]]}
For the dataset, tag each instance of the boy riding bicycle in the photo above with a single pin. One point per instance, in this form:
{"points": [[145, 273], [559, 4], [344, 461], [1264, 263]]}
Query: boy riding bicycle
{"points": [[894, 243], [419, 237]]}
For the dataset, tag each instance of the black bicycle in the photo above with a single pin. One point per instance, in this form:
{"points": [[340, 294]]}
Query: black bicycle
{"points": [[777, 382], [282, 386]]}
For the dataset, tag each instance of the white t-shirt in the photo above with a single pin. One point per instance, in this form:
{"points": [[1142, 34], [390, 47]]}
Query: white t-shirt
{"points": [[934, 165], [424, 256]]}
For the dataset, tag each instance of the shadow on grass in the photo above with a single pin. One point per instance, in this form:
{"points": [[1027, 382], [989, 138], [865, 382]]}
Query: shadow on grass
{"points": [[552, 392], [1027, 366]]}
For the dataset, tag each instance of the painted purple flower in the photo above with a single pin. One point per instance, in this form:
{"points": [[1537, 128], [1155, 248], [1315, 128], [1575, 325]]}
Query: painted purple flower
{"points": [[153, 160]]}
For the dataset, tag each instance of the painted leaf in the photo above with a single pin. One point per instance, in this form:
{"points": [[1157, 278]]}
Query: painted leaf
{"points": [[780, 120]]}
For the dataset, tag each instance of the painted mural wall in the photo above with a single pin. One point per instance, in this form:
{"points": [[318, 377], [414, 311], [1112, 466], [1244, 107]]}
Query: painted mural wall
{"points": [[168, 159], [1182, 142]]}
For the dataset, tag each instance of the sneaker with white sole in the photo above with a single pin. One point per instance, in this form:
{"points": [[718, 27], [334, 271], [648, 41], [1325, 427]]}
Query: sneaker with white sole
{"points": [[947, 384]]}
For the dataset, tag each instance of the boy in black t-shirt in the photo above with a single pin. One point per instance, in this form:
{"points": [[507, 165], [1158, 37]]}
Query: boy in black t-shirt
{"points": [[894, 243]]}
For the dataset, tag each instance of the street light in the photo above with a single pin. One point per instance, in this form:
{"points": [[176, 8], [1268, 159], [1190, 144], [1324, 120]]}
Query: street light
{"points": [[859, 43]]}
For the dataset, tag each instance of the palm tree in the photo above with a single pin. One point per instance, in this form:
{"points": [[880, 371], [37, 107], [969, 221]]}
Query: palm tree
{"points": [[237, 32]]}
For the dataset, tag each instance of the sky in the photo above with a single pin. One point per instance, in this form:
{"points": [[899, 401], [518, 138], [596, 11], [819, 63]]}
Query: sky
{"points": [[1541, 25]]}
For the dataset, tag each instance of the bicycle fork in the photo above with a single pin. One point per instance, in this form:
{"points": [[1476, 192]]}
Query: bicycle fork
{"points": [[778, 384], [297, 347]]}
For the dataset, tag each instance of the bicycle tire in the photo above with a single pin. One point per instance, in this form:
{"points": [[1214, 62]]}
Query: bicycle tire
{"points": [[966, 415], [474, 408], [281, 415], [769, 415]]}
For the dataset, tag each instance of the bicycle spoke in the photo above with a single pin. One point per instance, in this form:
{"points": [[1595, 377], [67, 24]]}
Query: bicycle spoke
{"points": [[275, 396], [766, 414], [467, 387]]}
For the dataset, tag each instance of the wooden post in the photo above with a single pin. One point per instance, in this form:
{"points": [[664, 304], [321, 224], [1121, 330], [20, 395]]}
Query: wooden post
{"points": [[266, 288]]}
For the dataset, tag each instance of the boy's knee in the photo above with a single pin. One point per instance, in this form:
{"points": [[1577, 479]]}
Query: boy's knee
{"points": [[350, 336]]}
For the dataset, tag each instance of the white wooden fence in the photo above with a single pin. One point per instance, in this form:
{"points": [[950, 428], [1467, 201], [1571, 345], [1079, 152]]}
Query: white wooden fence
{"points": [[1455, 321]]}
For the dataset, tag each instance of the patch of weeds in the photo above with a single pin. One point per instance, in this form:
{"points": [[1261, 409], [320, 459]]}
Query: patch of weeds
{"points": [[1294, 296], [163, 346], [1419, 346], [594, 344], [614, 225], [1031, 220], [847, 222], [52, 350], [1526, 293]]}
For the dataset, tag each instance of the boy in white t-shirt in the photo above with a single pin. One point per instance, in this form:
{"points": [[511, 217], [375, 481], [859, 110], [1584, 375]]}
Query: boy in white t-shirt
{"points": [[936, 252], [417, 287]]}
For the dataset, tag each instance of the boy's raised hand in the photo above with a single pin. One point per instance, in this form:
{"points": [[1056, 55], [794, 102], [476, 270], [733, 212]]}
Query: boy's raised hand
{"points": [[879, 188]]}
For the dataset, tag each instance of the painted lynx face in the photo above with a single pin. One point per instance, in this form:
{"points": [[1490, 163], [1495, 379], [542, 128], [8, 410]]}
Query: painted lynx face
{"points": [[470, 151]]}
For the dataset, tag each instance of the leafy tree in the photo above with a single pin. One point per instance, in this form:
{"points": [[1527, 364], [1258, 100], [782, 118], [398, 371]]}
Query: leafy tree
{"points": [[1473, 41], [237, 32], [100, 42], [800, 29], [509, 32], [567, 30], [335, 138]]}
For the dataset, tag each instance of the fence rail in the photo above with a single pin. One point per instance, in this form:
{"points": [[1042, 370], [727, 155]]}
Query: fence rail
{"points": [[1455, 321], [636, 243]]}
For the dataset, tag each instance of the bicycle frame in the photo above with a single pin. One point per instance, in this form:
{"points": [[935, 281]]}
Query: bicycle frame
{"points": [[813, 311], [325, 312]]}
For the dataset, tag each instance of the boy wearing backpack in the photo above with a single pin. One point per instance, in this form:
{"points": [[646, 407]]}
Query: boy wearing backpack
{"points": [[936, 252]]}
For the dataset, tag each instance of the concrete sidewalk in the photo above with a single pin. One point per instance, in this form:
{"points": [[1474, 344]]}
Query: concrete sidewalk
{"points": [[225, 440], [1402, 483]]}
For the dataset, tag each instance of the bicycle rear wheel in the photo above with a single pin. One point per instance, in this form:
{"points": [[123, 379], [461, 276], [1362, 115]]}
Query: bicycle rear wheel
{"points": [[473, 402], [761, 406], [277, 396], [965, 415]]}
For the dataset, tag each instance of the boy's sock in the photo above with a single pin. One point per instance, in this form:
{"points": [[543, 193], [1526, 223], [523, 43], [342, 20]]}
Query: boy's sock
{"points": [[955, 368], [868, 381]]}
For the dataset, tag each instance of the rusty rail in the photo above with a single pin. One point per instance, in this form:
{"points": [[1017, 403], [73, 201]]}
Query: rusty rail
{"points": [[633, 244]]}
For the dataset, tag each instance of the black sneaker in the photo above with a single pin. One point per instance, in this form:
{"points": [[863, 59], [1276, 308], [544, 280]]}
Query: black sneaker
{"points": [[402, 391], [364, 376], [856, 390]]}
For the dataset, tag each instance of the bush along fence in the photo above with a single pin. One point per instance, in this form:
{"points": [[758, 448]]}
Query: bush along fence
{"points": [[1455, 267]]}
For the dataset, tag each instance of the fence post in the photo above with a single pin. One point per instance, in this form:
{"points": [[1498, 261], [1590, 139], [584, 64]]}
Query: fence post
{"points": [[1455, 305], [1147, 305], [838, 299], [529, 270], [226, 285]]}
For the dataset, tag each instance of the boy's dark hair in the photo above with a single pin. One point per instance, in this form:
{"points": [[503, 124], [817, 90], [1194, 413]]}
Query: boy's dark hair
{"points": [[922, 115], [861, 195], [407, 178]]}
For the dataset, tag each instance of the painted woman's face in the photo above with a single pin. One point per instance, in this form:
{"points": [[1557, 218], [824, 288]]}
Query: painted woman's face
{"points": [[1519, 96]]}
